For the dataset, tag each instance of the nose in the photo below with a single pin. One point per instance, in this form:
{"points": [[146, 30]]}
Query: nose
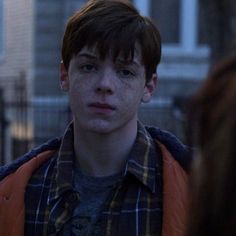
{"points": [[105, 82]]}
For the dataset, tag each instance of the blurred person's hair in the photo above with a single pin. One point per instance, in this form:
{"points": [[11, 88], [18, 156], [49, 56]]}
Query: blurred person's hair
{"points": [[112, 26], [212, 129]]}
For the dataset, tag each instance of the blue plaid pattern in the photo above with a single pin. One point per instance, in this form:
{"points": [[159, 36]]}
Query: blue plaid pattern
{"points": [[133, 208]]}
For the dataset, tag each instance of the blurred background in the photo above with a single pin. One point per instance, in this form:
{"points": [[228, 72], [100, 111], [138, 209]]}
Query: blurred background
{"points": [[195, 33]]}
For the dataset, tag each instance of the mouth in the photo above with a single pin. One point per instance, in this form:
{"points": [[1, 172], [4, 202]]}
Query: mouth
{"points": [[102, 106]]}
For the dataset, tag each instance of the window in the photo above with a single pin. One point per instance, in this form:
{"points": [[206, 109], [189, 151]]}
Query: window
{"points": [[166, 15], [177, 21], [202, 29]]}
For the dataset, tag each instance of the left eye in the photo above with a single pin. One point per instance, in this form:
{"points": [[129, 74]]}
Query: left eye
{"points": [[126, 73], [87, 67]]}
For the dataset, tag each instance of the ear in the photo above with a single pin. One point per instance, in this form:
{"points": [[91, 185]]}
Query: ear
{"points": [[64, 79], [149, 89]]}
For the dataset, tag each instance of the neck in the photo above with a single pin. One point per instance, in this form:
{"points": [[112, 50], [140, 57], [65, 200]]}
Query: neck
{"points": [[103, 154]]}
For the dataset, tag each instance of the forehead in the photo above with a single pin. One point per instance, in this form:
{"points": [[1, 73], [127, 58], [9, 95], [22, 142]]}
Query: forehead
{"points": [[121, 56]]}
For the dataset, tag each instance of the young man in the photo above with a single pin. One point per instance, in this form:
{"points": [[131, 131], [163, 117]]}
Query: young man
{"points": [[108, 174]]}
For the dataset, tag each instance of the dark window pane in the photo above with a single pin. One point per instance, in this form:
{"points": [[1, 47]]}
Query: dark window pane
{"points": [[166, 15], [202, 26]]}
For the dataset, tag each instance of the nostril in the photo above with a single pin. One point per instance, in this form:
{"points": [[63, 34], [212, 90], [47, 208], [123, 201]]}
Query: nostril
{"points": [[104, 90]]}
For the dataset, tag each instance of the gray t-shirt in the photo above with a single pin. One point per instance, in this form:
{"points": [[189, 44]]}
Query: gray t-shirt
{"points": [[93, 193]]}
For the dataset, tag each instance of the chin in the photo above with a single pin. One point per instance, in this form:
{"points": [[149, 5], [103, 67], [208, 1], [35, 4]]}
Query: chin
{"points": [[100, 127]]}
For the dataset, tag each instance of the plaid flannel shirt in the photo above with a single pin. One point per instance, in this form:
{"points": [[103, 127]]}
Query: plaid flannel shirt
{"points": [[134, 207]]}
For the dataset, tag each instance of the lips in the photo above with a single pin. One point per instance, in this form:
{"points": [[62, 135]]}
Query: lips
{"points": [[101, 106]]}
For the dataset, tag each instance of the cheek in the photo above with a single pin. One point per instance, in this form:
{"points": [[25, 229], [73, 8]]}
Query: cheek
{"points": [[76, 95], [78, 88], [132, 96]]}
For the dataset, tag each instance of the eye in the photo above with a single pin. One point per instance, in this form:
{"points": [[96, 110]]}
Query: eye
{"points": [[87, 68], [126, 73]]}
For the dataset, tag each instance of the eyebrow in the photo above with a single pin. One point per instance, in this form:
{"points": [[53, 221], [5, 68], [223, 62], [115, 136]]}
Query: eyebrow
{"points": [[88, 55], [119, 60], [129, 62]]}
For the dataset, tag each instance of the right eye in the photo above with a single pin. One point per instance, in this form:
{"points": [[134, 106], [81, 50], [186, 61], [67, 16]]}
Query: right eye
{"points": [[87, 68]]}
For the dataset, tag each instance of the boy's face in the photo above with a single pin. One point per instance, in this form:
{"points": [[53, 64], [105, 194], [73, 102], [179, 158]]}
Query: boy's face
{"points": [[105, 95]]}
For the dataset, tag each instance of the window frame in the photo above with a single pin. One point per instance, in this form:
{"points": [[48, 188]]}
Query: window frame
{"points": [[188, 44]]}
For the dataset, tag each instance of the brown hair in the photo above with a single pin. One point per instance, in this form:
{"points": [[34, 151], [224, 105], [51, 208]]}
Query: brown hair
{"points": [[112, 26], [212, 127]]}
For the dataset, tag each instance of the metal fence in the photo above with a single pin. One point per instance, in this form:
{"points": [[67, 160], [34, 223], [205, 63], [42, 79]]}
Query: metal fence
{"points": [[51, 116], [25, 122], [13, 118]]}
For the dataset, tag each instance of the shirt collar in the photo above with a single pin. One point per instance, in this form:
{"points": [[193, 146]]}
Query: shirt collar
{"points": [[62, 177], [144, 159], [143, 162]]}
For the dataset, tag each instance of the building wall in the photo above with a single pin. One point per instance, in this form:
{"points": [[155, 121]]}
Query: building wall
{"points": [[50, 19], [50, 105], [16, 76], [17, 57]]}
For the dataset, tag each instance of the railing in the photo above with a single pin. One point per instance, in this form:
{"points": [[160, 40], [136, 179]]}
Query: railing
{"points": [[32, 124], [14, 118], [51, 115], [26, 122]]}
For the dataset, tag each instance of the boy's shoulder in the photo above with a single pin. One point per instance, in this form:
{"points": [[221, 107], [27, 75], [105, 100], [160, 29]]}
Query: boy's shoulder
{"points": [[52, 144], [178, 150]]}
